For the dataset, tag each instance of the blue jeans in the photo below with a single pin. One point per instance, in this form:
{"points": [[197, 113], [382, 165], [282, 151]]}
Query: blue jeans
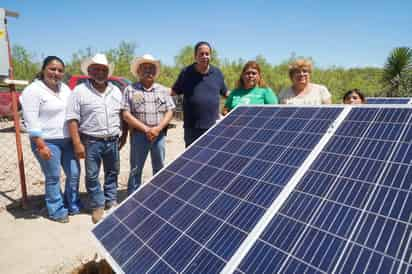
{"points": [[139, 149], [192, 134], [96, 152], [62, 155]]}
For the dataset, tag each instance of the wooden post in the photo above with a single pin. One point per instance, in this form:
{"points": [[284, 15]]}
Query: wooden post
{"points": [[16, 119]]}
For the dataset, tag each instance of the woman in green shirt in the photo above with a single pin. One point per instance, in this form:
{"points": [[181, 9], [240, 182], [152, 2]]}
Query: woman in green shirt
{"points": [[251, 89]]}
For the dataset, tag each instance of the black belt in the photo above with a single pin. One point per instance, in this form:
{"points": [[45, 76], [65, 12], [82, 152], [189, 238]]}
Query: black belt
{"points": [[103, 138]]}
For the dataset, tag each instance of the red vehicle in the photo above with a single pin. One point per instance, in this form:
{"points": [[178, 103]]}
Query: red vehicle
{"points": [[5, 103], [120, 82]]}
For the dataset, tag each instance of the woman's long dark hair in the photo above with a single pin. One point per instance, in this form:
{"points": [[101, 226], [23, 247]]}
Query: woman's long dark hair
{"points": [[356, 91]]}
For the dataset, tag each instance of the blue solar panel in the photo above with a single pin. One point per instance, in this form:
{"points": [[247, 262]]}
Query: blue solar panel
{"points": [[352, 210], [195, 213], [388, 100]]}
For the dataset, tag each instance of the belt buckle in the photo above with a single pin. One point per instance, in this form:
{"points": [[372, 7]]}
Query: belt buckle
{"points": [[107, 138]]}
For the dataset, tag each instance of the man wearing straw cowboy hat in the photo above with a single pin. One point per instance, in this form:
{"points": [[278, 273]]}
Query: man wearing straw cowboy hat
{"points": [[94, 122], [147, 109]]}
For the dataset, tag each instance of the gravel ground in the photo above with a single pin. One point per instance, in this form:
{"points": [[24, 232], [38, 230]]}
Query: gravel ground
{"points": [[30, 242]]}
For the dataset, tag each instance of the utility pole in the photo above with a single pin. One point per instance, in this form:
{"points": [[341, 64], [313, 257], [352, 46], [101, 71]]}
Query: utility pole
{"points": [[7, 75]]}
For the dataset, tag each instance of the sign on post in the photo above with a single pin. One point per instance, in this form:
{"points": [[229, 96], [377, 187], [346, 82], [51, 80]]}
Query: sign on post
{"points": [[4, 54]]}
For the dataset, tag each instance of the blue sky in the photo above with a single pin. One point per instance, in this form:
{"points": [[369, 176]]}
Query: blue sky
{"points": [[342, 33]]}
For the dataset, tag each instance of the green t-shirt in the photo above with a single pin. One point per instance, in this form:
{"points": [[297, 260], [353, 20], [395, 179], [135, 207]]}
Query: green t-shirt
{"points": [[254, 96]]}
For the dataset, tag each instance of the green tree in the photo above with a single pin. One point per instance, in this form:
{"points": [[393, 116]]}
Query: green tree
{"points": [[396, 71], [24, 66], [184, 57], [73, 67], [168, 75], [122, 57], [338, 80], [231, 70]]}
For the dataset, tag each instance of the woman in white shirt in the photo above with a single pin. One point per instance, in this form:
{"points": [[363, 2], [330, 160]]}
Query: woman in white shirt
{"points": [[302, 91], [44, 109]]}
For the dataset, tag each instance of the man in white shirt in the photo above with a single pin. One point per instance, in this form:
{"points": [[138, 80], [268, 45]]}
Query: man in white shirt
{"points": [[95, 125]]}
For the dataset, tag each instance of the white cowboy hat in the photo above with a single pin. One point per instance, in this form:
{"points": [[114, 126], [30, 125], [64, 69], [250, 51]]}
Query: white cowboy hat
{"points": [[99, 59], [147, 58]]}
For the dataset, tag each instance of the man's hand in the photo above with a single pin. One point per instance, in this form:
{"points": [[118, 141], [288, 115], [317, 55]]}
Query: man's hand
{"points": [[153, 133], [78, 147], [79, 150], [44, 152]]}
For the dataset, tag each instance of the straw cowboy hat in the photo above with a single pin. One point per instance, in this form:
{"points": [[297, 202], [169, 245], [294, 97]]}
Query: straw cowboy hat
{"points": [[99, 59], [147, 58]]}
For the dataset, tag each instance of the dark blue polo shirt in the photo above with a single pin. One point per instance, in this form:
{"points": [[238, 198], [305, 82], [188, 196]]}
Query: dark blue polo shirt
{"points": [[201, 95]]}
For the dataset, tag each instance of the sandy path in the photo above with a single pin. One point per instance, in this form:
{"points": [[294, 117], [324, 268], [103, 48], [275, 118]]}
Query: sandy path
{"points": [[29, 242]]}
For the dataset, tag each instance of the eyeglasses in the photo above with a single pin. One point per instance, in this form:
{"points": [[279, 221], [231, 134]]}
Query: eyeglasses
{"points": [[301, 71]]}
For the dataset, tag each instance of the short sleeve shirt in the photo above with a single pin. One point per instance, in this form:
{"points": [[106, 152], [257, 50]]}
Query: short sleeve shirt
{"points": [[147, 105], [201, 96], [255, 96], [316, 95], [98, 113]]}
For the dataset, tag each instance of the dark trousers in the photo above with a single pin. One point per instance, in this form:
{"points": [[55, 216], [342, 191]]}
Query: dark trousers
{"points": [[192, 134]]}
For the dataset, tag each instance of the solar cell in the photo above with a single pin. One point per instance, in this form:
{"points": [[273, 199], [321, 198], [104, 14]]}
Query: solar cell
{"points": [[272, 190], [388, 100]]}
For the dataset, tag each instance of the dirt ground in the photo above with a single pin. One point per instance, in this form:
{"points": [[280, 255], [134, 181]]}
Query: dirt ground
{"points": [[31, 243]]}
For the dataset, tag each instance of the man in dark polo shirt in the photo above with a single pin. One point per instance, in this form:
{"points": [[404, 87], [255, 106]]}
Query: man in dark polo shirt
{"points": [[201, 85]]}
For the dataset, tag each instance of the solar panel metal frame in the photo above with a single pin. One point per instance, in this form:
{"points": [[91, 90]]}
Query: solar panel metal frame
{"points": [[346, 108]]}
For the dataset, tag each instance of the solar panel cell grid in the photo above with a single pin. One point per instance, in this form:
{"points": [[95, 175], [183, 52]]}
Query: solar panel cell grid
{"points": [[351, 211], [344, 203]]}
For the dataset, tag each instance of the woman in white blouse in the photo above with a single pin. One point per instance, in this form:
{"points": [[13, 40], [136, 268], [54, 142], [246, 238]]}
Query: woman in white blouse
{"points": [[302, 91], [44, 109]]}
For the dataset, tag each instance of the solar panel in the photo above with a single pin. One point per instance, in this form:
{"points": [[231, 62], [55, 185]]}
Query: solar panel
{"points": [[349, 213], [388, 100], [217, 199]]}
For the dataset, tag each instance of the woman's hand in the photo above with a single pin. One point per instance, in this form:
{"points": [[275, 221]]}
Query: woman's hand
{"points": [[44, 152], [41, 147]]}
